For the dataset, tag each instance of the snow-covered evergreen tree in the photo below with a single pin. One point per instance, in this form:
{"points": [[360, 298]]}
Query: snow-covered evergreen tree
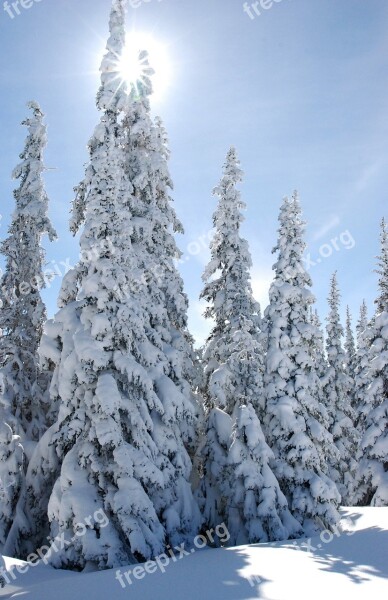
{"points": [[22, 312], [319, 343], [362, 322], [350, 347], [238, 486], [117, 445], [361, 372], [337, 389], [11, 478], [296, 421], [351, 363], [155, 223], [362, 382], [318, 352], [256, 509], [213, 453], [227, 277], [229, 295], [374, 444], [22, 382], [382, 270]]}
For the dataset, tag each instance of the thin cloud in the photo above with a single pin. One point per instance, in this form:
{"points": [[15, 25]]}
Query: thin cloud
{"points": [[368, 175], [328, 226]]}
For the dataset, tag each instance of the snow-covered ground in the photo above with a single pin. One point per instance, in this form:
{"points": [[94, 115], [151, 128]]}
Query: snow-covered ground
{"points": [[354, 565]]}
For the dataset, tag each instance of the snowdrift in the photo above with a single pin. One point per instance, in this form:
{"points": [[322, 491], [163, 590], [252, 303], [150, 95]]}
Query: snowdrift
{"points": [[351, 563]]}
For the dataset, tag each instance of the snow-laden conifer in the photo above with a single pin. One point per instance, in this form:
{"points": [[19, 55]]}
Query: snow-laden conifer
{"points": [[337, 389], [350, 347], [11, 478], [318, 353], [227, 276], [362, 322], [117, 447], [296, 420], [154, 225], [22, 312], [374, 443], [23, 411], [256, 509], [238, 485], [361, 373], [318, 343]]}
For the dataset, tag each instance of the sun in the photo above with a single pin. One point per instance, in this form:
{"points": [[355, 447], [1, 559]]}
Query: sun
{"points": [[132, 70]]}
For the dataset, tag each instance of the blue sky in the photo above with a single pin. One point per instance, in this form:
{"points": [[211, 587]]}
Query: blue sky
{"points": [[300, 90]]}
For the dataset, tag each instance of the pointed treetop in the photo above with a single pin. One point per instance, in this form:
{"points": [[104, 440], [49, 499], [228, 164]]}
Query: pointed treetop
{"points": [[314, 318], [232, 166], [230, 203], [112, 93], [363, 319], [31, 198], [289, 268], [382, 270], [348, 318], [334, 329], [227, 276], [33, 105], [350, 345], [334, 295]]}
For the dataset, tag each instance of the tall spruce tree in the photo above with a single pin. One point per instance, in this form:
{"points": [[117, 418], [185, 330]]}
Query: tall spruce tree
{"points": [[227, 277], [374, 444], [11, 479], [117, 445], [362, 322], [351, 363], [362, 374], [296, 421], [318, 353], [337, 389], [22, 315], [238, 485], [155, 223], [319, 344], [22, 312], [350, 347]]}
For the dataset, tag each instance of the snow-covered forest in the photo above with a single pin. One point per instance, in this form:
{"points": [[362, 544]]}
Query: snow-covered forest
{"points": [[119, 437]]}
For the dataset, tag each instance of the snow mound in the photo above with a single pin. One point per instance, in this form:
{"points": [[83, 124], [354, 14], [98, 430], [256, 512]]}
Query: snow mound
{"points": [[351, 563]]}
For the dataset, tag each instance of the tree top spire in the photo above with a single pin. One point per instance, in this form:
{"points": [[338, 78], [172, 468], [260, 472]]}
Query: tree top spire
{"points": [[112, 93], [382, 270]]}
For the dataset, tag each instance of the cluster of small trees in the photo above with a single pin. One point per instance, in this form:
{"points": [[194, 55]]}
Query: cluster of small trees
{"points": [[293, 429], [108, 407]]}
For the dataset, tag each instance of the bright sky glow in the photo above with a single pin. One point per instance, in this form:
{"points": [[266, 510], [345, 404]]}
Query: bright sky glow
{"points": [[133, 69]]}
